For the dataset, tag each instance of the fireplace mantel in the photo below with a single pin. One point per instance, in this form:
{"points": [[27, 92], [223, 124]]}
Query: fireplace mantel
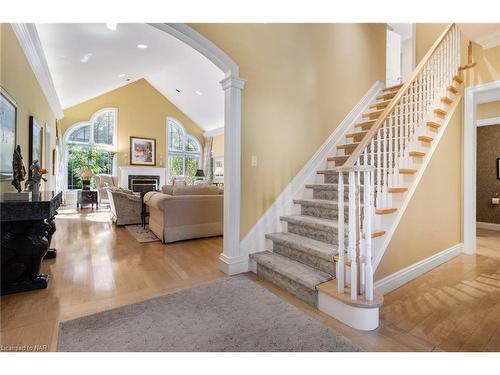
{"points": [[141, 171]]}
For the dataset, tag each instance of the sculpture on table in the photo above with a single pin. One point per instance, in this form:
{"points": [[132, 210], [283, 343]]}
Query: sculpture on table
{"points": [[33, 183], [18, 169]]}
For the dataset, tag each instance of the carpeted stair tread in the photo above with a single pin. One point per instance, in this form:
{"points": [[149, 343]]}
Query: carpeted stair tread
{"points": [[311, 221], [300, 273], [304, 244]]}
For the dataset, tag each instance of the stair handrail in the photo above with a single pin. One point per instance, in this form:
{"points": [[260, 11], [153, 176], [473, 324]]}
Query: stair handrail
{"points": [[353, 158]]}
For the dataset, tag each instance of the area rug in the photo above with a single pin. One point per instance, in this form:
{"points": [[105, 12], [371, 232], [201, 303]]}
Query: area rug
{"points": [[140, 234], [235, 315]]}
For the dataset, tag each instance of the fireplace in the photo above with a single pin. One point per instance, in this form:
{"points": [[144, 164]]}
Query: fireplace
{"points": [[143, 183]]}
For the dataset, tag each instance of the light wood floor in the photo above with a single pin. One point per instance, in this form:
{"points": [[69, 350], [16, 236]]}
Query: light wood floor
{"points": [[454, 307], [99, 267]]}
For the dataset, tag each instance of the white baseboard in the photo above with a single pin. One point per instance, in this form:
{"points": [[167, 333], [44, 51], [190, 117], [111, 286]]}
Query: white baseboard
{"points": [[233, 266], [399, 278], [255, 239], [490, 226]]}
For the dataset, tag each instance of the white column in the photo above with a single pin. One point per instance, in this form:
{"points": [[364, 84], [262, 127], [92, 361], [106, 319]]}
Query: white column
{"points": [[231, 261]]}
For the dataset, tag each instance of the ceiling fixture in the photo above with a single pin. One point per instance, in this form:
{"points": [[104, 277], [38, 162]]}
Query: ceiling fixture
{"points": [[122, 75], [142, 46], [111, 26], [86, 57], [198, 93]]}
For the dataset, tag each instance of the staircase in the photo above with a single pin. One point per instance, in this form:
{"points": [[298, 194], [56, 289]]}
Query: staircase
{"points": [[328, 251]]}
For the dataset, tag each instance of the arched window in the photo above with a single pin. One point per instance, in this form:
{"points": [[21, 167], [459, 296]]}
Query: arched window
{"points": [[91, 145], [184, 152]]}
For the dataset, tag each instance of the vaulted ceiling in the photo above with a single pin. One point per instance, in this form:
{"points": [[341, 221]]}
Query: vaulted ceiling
{"points": [[87, 60]]}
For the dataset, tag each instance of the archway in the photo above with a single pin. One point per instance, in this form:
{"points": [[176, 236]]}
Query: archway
{"points": [[231, 260]]}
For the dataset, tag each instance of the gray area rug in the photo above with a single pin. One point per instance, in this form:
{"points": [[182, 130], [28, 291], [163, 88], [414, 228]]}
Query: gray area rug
{"points": [[233, 315], [140, 234]]}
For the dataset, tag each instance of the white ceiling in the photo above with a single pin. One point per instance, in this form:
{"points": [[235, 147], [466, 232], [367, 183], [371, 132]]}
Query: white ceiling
{"points": [[405, 30], [487, 35], [168, 64]]}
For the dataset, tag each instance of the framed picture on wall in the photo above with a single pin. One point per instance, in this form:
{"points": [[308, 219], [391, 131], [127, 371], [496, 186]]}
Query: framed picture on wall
{"points": [[142, 151], [8, 120], [498, 168], [35, 142]]}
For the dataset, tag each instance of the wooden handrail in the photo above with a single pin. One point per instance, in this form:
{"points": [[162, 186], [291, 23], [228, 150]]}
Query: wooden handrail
{"points": [[351, 160]]}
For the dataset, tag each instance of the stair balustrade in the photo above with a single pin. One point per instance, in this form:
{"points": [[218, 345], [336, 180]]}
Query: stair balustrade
{"points": [[374, 166]]}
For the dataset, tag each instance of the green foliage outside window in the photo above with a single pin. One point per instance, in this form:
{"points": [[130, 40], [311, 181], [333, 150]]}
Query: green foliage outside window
{"points": [[98, 161]]}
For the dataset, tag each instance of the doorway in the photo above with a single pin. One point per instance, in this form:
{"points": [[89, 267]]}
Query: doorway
{"points": [[400, 52]]}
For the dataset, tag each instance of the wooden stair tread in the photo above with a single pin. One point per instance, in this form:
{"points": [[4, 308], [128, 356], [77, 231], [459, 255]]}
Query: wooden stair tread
{"points": [[417, 154], [452, 89], [393, 88], [330, 288], [376, 233], [385, 211], [446, 100], [387, 95], [356, 134], [373, 113], [337, 158], [407, 171], [347, 146], [433, 124], [381, 104], [440, 112], [365, 124], [397, 190], [458, 79], [425, 138]]}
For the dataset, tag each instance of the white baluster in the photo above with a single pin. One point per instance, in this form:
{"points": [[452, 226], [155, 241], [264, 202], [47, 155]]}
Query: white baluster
{"points": [[341, 235], [352, 234], [367, 226]]}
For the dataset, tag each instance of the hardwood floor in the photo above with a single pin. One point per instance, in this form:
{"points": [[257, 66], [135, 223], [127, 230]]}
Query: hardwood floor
{"points": [[455, 307], [100, 267]]}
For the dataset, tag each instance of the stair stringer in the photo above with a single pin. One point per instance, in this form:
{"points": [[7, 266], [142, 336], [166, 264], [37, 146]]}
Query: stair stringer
{"points": [[390, 224], [283, 205]]}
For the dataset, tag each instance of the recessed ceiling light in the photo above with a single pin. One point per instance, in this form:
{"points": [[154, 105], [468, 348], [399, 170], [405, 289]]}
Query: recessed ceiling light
{"points": [[142, 46], [86, 57], [111, 26], [122, 75], [198, 93]]}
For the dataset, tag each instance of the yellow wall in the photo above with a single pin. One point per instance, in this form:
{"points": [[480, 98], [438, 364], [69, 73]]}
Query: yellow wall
{"points": [[142, 111], [302, 80], [488, 110], [17, 78], [487, 68], [432, 221], [218, 146]]}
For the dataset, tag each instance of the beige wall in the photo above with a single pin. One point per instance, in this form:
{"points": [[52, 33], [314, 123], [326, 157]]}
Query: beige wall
{"points": [[432, 221], [142, 111], [17, 78], [488, 150], [218, 146], [488, 110], [302, 80]]}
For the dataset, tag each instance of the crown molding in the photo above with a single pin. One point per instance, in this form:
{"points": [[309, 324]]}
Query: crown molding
{"points": [[213, 132], [27, 36]]}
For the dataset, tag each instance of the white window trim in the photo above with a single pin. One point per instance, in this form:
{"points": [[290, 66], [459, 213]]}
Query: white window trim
{"points": [[113, 147], [184, 154]]}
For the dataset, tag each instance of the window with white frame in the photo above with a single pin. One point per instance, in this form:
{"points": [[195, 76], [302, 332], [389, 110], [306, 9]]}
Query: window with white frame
{"points": [[91, 144], [184, 152]]}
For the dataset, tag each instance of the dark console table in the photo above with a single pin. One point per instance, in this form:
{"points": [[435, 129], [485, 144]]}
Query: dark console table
{"points": [[87, 197], [27, 229]]}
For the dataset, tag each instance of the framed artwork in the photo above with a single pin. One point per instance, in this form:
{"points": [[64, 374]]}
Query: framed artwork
{"points": [[498, 168], [8, 121], [142, 151], [35, 143]]}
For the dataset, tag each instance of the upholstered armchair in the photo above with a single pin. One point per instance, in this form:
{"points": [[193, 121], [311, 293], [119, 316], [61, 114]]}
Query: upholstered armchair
{"points": [[125, 206], [104, 181]]}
